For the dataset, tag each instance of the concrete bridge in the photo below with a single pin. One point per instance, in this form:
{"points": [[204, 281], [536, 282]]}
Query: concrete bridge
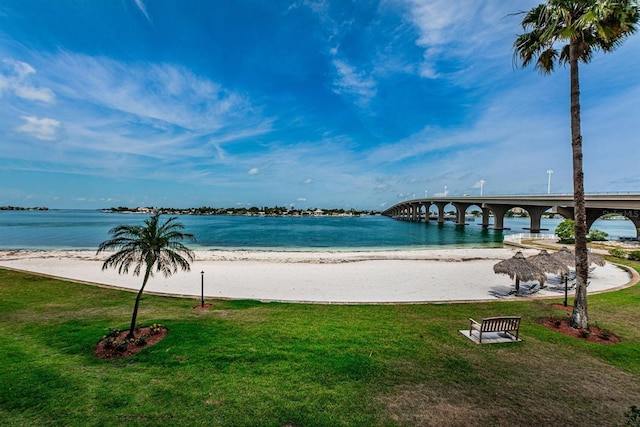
{"points": [[627, 205]]}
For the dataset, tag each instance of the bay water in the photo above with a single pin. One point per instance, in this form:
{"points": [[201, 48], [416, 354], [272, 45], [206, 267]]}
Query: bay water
{"points": [[86, 229]]}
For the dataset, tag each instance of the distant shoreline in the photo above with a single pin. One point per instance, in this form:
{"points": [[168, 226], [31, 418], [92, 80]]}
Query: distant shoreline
{"points": [[252, 211], [19, 208]]}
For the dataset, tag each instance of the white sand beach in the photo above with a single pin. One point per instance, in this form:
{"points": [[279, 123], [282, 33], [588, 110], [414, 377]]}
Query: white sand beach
{"points": [[434, 275]]}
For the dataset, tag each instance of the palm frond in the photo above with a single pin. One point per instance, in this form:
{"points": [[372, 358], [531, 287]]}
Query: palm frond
{"points": [[546, 60], [153, 244], [591, 25]]}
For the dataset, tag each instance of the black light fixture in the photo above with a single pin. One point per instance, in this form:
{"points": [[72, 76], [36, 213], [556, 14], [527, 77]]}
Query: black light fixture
{"points": [[202, 289]]}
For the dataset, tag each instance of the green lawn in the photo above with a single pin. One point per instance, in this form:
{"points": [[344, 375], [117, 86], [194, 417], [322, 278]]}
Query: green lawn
{"points": [[245, 363]]}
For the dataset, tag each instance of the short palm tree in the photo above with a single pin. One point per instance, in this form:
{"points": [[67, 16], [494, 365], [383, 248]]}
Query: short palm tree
{"points": [[571, 31], [143, 247]]}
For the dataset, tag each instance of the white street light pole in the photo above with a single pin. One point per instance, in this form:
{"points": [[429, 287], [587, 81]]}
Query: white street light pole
{"points": [[481, 186], [426, 194], [549, 172]]}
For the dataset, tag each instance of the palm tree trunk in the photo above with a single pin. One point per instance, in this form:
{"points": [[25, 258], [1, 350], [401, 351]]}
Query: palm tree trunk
{"points": [[579, 318], [147, 273]]}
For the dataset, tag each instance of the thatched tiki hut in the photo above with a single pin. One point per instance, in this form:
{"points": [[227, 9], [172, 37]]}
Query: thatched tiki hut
{"points": [[566, 256], [520, 268], [549, 263]]}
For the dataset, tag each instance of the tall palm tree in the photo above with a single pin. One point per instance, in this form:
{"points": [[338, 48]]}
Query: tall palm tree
{"points": [[571, 31], [147, 246]]}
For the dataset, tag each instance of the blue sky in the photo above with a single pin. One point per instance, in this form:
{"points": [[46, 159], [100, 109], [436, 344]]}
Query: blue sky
{"points": [[326, 103]]}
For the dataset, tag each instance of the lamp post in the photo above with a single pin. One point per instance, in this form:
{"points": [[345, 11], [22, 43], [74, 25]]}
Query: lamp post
{"points": [[426, 194], [202, 289], [549, 172], [481, 186]]}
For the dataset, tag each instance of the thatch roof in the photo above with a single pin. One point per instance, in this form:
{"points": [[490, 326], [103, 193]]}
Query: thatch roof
{"points": [[520, 268], [548, 263], [566, 256]]}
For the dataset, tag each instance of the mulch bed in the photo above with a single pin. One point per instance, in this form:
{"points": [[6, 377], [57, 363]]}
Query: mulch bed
{"points": [[105, 351], [200, 307], [593, 334]]}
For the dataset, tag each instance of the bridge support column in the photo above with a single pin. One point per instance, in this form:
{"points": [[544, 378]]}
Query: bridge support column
{"points": [[535, 214], [426, 211], [419, 210], [461, 211], [486, 213], [441, 206], [405, 212], [498, 215], [636, 222]]}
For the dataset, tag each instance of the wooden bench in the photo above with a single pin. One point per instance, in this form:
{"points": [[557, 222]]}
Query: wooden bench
{"points": [[507, 324]]}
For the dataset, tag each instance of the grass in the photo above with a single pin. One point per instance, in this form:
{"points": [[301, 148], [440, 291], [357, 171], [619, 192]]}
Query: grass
{"points": [[246, 363]]}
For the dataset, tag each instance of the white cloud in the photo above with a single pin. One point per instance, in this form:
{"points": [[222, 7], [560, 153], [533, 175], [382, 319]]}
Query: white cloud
{"points": [[15, 77], [122, 119], [143, 9], [254, 171], [307, 181], [43, 129], [160, 94], [467, 30], [351, 82], [301, 199]]}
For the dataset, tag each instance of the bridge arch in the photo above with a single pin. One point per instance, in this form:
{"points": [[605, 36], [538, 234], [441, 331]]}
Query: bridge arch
{"points": [[594, 214], [461, 211]]}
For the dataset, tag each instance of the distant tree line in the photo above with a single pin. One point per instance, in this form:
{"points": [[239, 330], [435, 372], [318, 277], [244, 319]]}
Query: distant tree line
{"points": [[251, 211], [17, 208]]}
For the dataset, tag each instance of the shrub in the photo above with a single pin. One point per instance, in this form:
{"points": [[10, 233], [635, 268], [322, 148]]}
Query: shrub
{"points": [[156, 328], [109, 342], [565, 231], [605, 334], [584, 333], [121, 346], [596, 235], [141, 340], [634, 255], [617, 252]]}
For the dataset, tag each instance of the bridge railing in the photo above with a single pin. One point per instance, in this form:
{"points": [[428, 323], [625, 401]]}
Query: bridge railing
{"points": [[519, 237]]}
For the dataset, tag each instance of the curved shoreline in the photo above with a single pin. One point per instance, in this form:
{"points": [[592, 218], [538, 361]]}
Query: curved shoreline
{"points": [[371, 277]]}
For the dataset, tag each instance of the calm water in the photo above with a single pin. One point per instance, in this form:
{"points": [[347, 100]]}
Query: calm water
{"points": [[81, 229]]}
